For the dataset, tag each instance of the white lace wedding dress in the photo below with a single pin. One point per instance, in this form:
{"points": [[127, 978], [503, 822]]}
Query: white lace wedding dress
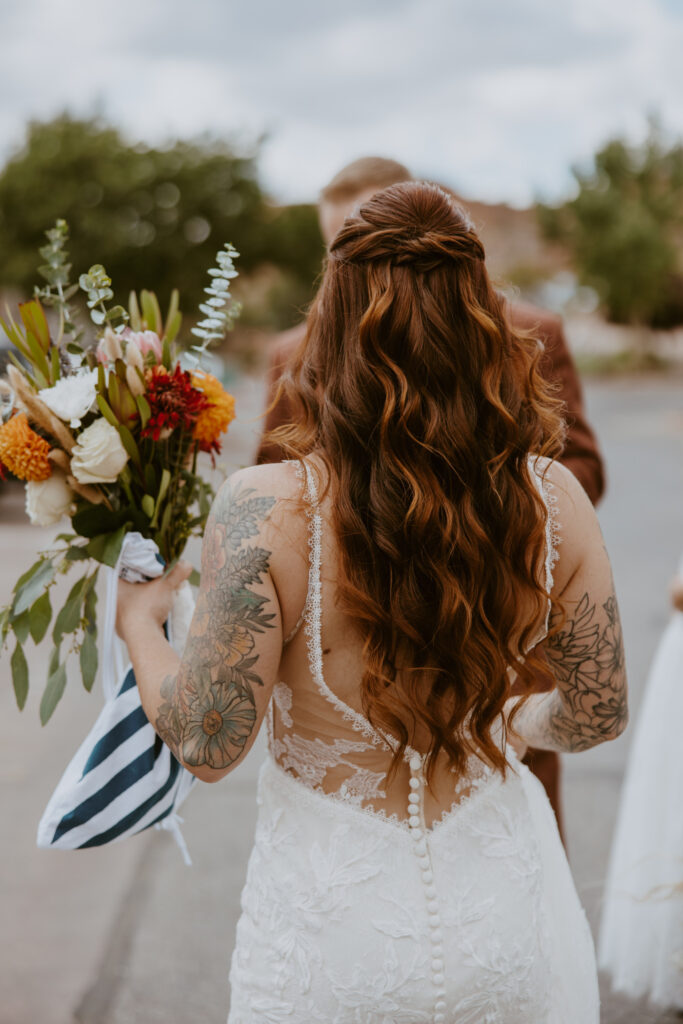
{"points": [[371, 906]]}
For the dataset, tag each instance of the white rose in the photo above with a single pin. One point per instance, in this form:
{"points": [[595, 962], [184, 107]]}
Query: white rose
{"points": [[71, 397], [99, 456], [48, 500]]}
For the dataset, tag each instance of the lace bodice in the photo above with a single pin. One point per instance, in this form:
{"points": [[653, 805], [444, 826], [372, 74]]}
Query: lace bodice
{"points": [[328, 744], [368, 903]]}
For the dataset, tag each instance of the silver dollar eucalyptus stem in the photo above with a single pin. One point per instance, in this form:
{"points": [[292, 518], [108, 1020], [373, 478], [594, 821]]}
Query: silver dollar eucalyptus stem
{"points": [[220, 309]]}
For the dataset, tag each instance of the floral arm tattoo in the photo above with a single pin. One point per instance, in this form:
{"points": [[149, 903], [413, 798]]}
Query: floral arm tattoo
{"points": [[208, 711], [589, 705]]}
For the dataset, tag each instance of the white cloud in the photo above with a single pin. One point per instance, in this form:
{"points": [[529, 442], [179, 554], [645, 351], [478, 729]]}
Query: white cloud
{"points": [[497, 97]]}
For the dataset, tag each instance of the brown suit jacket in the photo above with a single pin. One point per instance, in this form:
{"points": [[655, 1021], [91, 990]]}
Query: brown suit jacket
{"points": [[581, 453]]}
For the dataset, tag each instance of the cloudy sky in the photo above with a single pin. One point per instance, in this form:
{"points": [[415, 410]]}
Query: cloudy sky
{"points": [[496, 97]]}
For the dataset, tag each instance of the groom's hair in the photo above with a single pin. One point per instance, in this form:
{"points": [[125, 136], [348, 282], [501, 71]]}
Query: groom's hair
{"points": [[364, 173]]}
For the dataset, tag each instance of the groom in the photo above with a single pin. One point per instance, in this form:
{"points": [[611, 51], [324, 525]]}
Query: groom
{"points": [[354, 184]]}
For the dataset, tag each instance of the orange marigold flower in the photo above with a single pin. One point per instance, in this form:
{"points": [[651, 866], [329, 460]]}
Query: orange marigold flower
{"points": [[218, 414], [23, 451]]}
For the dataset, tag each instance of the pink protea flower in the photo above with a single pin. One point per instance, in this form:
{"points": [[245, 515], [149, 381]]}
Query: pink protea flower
{"points": [[147, 341], [108, 348]]}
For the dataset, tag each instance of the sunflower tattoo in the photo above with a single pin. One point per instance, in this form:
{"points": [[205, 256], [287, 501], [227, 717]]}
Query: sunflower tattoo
{"points": [[208, 712]]}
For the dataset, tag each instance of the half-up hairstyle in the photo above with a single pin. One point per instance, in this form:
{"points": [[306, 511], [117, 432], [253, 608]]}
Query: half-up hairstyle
{"points": [[426, 406]]}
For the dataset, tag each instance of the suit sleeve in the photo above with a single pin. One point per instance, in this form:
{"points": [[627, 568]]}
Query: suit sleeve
{"points": [[581, 454], [278, 412]]}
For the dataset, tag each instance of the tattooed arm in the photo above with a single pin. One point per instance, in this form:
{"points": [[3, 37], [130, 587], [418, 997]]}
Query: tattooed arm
{"points": [[584, 651], [208, 705]]}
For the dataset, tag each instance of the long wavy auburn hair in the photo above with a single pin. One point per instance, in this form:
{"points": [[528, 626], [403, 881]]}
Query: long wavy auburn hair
{"points": [[425, 407]]}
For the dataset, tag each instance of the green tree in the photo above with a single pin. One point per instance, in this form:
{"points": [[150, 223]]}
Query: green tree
{"points": [[155, 217], [625, 229]]}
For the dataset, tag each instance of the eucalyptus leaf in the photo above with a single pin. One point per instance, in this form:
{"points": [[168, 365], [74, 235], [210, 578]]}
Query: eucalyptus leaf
{"points": [[76, 553], [53, 663], [107, 547], [92, 520], [40, 616], [195, 578], [69, 618], [88, 659], [116, 313], [19, 675], [4, 624], [31, 584], [21, 626], [53, 693], [90, 604], [148, 505], [26, 576]]}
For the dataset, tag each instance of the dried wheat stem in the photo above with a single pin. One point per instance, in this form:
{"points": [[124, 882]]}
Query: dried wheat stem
{"points": [[90, 494], [60, 458], [37, 410]]}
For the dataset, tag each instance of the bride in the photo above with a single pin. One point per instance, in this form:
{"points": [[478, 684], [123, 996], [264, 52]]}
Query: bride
{"points": [[374, 601]]}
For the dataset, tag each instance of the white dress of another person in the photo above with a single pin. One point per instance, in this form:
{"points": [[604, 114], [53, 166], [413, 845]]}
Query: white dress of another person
{"points": [[641, 937], [397, 905]]}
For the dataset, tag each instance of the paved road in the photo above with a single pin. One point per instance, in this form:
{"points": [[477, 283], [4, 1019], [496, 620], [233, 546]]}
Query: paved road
{"points": [[127, 934]]}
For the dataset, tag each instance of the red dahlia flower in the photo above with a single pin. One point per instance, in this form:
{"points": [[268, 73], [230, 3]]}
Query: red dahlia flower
{"points": [[172, 400]]}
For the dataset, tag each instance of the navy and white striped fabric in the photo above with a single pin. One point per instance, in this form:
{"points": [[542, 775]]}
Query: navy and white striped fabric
{"points": [[122, 780]]}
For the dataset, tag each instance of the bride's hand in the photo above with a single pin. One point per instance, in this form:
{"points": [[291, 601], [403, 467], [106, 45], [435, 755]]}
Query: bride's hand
{"points": [[519, 745], [148, 604]]}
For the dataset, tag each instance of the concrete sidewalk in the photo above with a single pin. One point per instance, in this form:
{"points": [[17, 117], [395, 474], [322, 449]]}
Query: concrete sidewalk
{"points": [[127, 934]]}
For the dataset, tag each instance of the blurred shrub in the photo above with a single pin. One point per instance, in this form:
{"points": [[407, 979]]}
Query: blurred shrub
{"points": [[625, 229], [155, 217]]}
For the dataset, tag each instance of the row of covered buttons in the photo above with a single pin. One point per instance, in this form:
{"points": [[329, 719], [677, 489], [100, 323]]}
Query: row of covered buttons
{"points": [[418, 832]]}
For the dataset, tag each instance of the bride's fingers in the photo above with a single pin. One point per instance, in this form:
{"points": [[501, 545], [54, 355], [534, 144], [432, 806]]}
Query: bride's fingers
{"points": [[178, 574]]}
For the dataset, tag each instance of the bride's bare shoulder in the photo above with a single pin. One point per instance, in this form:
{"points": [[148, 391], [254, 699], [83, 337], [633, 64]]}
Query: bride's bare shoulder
{"points": [[273, 493], [577, 529], [278, 480], [565, 489]]}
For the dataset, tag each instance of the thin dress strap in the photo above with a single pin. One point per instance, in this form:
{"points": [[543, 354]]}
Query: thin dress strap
{"points": [[299, 467], [552, 532]]}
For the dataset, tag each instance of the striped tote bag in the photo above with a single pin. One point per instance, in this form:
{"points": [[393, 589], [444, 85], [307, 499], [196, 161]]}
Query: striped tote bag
{"points": [[123, 778]]}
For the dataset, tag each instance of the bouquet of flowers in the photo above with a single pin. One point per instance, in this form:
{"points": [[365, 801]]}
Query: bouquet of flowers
{"points": [[105, 431]]}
